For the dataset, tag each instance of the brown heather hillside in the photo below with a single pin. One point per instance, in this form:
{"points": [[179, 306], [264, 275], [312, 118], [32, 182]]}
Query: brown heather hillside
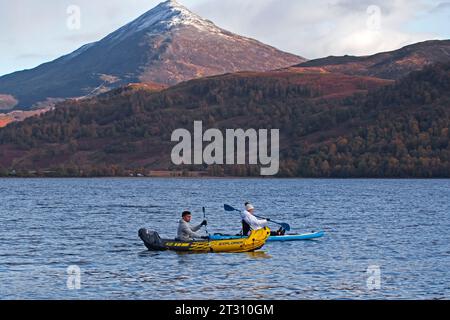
{"points": [[5, 120], [387, 65], [331, 125]]}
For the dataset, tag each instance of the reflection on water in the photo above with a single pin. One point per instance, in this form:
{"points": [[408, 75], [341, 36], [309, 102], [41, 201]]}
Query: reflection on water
{"points": [[47, 225], [259, 255]]}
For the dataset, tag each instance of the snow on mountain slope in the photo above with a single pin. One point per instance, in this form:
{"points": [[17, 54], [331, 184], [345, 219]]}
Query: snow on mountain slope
{"points": [[166, 45]]}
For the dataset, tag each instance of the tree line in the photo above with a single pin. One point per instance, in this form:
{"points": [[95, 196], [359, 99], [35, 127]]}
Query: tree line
{"points": [[399, 130]]}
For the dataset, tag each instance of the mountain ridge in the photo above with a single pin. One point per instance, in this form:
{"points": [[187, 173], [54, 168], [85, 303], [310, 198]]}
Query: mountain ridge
{"points": [[168, 44], [331, 125], [392, 65]]}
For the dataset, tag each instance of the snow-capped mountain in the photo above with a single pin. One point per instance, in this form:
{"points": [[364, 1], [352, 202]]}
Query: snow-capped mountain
{"points": [[164, 17], [166, 45]]}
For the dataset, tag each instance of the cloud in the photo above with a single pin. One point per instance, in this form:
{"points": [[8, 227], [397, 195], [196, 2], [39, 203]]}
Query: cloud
{"points": [[317, 28], [311, 28], [443, 6], [27, 56], [83, 38]]}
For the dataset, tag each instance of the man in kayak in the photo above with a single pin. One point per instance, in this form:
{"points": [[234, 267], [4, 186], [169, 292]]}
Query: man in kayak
{"points": [[185, 231], [250, 222]]}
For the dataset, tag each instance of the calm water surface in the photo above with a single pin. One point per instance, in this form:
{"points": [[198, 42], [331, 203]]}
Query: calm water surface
{"points": [[401, 226]]}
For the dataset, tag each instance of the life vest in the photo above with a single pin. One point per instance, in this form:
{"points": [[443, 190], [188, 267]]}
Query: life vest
{"points": [[245, 228]]}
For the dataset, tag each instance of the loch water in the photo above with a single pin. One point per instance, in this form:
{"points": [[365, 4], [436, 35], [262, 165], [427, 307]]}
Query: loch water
{"points": [[385, 239]]}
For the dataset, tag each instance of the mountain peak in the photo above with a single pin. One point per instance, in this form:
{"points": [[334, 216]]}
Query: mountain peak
{"points": [[173, 8], [172, 3], [167, 44], [163, 17]]}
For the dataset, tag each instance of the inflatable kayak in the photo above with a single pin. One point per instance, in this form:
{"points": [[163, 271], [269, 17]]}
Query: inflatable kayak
{"points": [[287, 237], [255, 241]]}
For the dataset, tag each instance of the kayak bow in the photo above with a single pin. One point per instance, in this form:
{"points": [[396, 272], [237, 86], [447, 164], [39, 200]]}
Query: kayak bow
{"points": [[287, 237], [255, 241]]}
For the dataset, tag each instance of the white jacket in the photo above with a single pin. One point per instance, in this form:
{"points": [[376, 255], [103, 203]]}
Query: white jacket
{"points": [[252, 221]]}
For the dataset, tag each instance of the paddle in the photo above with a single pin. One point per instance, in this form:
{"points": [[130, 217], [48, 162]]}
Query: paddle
{"points": [[285, 226], [204, 217]]}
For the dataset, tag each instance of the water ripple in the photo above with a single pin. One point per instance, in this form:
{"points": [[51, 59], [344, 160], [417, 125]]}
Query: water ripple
{"points": [[402, 226]]}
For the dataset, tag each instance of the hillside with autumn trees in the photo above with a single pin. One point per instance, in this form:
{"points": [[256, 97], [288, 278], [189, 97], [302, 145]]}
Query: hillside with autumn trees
{"points": [[331, 125], [401, 130]]}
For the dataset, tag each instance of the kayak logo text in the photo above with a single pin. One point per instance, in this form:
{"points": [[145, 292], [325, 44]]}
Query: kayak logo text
{"points": [[232, 151]]}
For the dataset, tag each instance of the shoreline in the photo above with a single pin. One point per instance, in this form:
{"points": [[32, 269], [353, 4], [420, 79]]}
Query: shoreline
{"points": [[227, 178]]}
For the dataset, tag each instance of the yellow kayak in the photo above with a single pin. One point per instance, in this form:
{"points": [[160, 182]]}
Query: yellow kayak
{"points": [[255, 241]]}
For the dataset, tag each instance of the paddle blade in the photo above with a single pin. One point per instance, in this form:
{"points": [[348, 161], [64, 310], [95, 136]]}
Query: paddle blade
{"points": [[204, 210], [229, 208], [285, 226]]}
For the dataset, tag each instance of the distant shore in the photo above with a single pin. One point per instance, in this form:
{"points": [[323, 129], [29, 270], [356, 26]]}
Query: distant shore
{"points": [[220, 178], [167, 174]]}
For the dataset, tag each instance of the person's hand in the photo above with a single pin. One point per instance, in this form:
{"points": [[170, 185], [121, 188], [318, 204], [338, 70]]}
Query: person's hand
{"points": [[204, 223], [268, 220]]}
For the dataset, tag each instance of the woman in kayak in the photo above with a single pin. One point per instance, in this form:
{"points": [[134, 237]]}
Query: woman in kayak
{"points": [[250, 222], [185, 231]]}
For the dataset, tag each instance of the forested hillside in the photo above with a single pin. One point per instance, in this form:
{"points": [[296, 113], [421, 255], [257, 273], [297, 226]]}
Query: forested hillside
{"points": [[331, 125], [400, 130]]}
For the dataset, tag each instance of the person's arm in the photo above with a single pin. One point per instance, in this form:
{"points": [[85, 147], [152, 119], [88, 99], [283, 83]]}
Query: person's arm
{"points": [[191, 231], [254, 222], [261, 223], [196, 228]]}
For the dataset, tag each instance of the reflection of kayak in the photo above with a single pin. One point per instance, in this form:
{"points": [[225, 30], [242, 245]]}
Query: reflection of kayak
{"points": [[287, 237], [255, 241]]}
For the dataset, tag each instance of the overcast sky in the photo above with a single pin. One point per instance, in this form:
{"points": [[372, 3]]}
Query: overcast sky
{"points": [[33, 32]]}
